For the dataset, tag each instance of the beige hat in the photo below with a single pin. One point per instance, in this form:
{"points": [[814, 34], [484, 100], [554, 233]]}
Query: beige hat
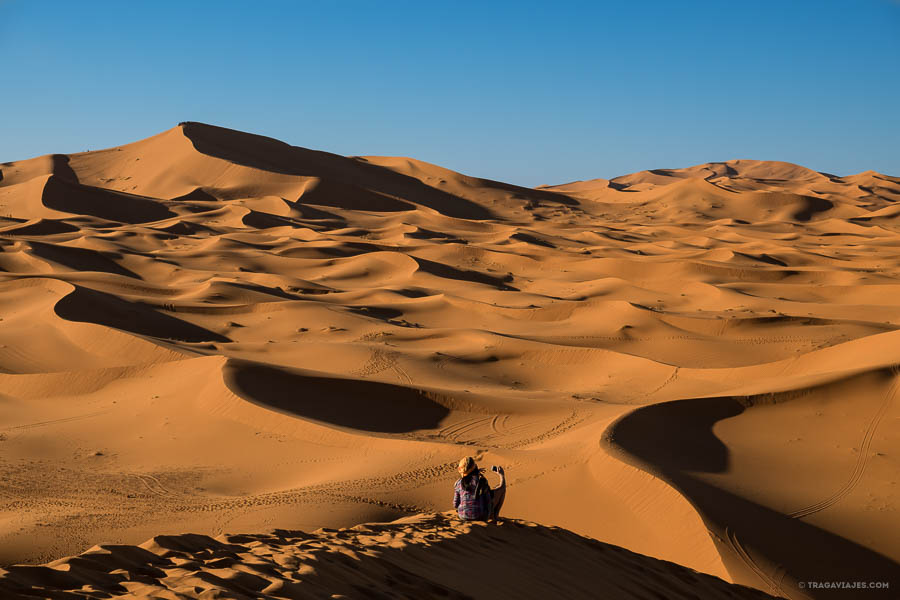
{"points": [[467, 465]]}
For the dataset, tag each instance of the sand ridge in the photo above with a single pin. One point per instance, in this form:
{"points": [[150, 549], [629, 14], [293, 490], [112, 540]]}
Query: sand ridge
{"points": [[407, 558], [213, 331]]}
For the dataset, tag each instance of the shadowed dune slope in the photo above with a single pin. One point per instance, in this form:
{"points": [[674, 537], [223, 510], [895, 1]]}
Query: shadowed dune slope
{"points": [[425, 556], [346, 403], [211, 331], [709, 447]]}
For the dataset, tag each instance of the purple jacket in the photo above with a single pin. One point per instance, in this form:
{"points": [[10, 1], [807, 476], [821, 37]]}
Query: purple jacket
{"points": [[472, 497]]}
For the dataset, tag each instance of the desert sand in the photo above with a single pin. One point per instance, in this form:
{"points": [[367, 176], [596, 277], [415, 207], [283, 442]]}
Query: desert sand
{"points": [[425, 556], [216, 333]]}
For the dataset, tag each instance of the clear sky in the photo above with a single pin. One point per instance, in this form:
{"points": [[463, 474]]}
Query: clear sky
{"points": [[525, 92]]}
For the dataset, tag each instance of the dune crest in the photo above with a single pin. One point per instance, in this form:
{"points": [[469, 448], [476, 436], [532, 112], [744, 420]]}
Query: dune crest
{"points": [[424, 556], [210, 331]]}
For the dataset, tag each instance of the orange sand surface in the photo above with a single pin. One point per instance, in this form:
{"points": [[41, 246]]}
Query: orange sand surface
{"points": [[209, 331]]}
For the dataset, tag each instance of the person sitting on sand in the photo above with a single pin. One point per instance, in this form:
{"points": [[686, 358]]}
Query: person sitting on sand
{"points": [[473, 498]]}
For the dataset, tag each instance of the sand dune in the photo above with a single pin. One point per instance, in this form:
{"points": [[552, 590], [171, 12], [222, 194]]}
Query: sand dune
{"points": [[407, 558], [210, 331]]}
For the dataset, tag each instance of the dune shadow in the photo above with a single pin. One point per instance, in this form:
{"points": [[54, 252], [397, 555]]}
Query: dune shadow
{"points": [[71, 197], [810, 207], [426, 234], [80, 259], [263, 220], [197, 194], [758, 545], [91, 306], [781, 551], [729, 171], [530, 239], [316, 215], [354, 404], [261, 289], [365, 185], [60, 168], [382, 313], [341, 195], [43, 227], [763, 257], [447, 272], [620, 187], [652, 436], [184, 228]]}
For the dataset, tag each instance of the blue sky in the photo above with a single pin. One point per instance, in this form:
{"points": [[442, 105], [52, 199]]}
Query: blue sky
{"points": [[525, 92]]}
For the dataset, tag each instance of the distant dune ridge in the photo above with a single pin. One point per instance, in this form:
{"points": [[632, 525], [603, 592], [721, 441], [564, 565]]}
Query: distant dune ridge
{"points": [[214, 332]]}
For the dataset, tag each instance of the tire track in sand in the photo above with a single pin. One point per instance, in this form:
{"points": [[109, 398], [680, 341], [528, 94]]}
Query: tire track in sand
{"points": [[153, 485], [563, 426], [55, 421], [861, 461], [457, 430], [735, 544]]}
